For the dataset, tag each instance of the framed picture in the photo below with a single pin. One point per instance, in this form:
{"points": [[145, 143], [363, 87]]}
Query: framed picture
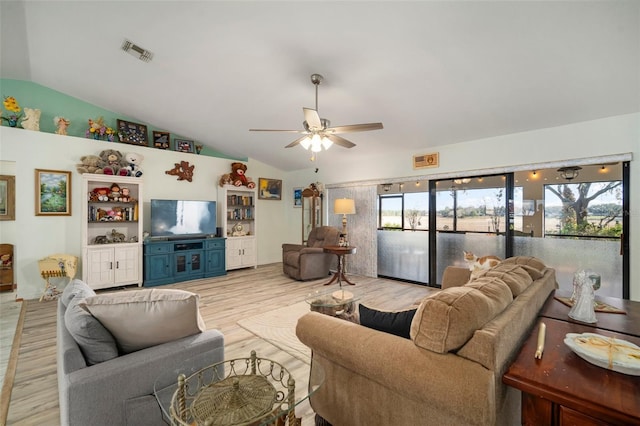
{"points": [[269, 189], [133, 133], [297, 197], [7, 197], [183, 145], [161, 139], [53, 193]]}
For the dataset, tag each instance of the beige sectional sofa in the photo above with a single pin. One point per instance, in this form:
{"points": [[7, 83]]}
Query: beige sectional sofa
{"points": [[463, 338]]}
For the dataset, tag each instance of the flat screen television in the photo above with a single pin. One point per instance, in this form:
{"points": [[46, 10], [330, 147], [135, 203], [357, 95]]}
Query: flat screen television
{"points": [[179, 218]]}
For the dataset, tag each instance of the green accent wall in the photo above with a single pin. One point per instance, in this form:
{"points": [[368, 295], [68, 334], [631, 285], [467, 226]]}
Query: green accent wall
{"points": [[52, 104]]}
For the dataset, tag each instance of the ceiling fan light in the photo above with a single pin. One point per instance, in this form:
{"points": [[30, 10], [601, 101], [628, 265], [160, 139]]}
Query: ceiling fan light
{"points": [[305, 143], [316, 143], [326, 142]]}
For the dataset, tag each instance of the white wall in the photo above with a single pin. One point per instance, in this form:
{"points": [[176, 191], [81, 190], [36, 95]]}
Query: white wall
{"points": [[609, 136], [37, 236], [34, 237]]}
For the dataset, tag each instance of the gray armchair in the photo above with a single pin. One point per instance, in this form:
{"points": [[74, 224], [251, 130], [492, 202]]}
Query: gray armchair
{"points": [[309, 262]]}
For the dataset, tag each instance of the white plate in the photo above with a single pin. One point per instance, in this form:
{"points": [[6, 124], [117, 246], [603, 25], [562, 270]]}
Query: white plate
{"points": [[594, 348]]}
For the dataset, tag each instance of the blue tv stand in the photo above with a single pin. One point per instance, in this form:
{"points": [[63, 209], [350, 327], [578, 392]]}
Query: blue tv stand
{"points": [[172, 261]]}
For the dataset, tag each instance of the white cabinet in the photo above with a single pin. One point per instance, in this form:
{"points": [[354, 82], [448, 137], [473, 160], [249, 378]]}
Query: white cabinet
{"points": [[241, 252], [112, 231], [237, 213]]}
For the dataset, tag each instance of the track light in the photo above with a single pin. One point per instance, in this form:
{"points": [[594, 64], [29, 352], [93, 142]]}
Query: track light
{"points": [[386, 187]]}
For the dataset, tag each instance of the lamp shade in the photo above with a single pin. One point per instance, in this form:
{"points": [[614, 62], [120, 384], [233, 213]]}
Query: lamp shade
{"points": [[344, 206]]}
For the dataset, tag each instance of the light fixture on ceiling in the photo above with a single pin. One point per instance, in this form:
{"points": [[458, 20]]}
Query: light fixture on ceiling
{"points": [[400, 185], [461, 181], [535, 173], [136, 51], [386, 187], [569, 172]]}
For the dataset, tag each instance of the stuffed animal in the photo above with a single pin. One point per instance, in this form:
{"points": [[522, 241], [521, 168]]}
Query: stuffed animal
{"points": [[133, 160], [91, 164], [225, 179], [238, 176], [114, 163], [117, 237], [114, 192], [31, 119], [99, 194]]}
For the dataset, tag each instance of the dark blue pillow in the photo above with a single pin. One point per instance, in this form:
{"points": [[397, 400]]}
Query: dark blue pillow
{"points": [[398, 323]]}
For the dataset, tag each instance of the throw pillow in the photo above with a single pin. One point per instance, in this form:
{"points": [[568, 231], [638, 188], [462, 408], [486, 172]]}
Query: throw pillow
{"points": [[398, 323], [142, 318], [96, 343], [74, 288]]}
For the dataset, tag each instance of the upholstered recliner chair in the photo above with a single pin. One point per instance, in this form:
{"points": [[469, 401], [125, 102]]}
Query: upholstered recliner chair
{"points": [[309, 262]]}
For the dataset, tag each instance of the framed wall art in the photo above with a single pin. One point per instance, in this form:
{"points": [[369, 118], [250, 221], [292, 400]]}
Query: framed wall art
{"points": [[269, 189], [132, 133], [297, 197], [7, 197], [161, 139], [183, 145], [53, 193]]}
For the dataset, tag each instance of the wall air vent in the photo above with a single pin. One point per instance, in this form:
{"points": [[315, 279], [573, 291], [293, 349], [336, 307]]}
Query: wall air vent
{"points": [[426, 160], [136, 51]]}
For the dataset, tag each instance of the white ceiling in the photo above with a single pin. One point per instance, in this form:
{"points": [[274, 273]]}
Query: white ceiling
{"points": [[433, 72]]}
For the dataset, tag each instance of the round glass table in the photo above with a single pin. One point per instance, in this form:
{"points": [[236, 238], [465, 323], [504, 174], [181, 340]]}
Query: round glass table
{"points": [[339, 302], [249, 391]]}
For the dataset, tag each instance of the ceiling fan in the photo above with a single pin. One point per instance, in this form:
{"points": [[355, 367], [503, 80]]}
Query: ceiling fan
{"points": [[318, 133]]}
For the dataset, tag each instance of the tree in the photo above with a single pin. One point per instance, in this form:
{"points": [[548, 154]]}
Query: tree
{"points": [[577, 207], [413, 218]]}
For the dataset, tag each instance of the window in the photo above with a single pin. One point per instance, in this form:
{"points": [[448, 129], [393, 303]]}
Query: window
{"points": [[587, 209], [408, 211]]}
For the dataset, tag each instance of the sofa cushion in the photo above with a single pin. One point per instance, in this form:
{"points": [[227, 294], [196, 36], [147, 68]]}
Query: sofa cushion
{"points": [[398, 323], [95, 341], [515, 276], [74, 288], [142, 318], [531, 261], [446, 320]]}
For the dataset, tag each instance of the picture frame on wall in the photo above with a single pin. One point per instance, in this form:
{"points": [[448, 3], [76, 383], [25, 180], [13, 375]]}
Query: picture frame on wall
{"points": [[132, 133], [7, 197], [297, 197], [183, 145], [269, 189], [161, 140], [53, 192]]}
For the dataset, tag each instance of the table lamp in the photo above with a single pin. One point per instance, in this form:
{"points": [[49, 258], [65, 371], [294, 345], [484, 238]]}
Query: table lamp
{"points": [[344, 206]]}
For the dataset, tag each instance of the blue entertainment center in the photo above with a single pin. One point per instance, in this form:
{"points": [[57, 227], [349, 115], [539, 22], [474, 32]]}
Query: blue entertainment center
{"points": [[167, 261]]}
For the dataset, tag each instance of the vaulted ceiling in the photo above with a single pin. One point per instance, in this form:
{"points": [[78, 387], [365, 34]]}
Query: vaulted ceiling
{"points": [[433, 72]]}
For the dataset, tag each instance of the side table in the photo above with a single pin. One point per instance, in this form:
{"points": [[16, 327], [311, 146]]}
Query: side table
{"points": [[562, 388], [341, 252]]}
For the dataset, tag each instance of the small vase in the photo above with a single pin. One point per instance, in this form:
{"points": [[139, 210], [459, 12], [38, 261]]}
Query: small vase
{"points": [[96, 136], [13, 123]]}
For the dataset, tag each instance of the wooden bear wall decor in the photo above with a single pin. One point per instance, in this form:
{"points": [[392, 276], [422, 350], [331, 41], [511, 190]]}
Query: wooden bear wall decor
{"points": [[183, 170]]}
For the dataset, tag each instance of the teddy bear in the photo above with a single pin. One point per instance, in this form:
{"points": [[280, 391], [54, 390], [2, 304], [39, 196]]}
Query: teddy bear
{"points": [[133, 160], [91, 164], [225, 179], [238, 176], [99, 194], [114, 163]]}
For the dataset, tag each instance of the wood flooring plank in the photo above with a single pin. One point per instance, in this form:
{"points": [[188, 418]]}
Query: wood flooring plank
{"points": [[223, 302]]}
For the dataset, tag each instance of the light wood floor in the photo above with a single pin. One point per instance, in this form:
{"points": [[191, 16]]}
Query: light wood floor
{"points": [[223, 301]]}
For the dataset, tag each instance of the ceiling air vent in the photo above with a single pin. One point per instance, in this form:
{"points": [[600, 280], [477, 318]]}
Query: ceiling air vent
{"points": [[425, 160], [136, 51]]}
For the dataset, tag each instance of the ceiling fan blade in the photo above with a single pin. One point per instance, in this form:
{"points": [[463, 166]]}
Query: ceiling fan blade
{"points": [[338, 140], [296, 142], [312, 118], [275, 130], [355, 128]]}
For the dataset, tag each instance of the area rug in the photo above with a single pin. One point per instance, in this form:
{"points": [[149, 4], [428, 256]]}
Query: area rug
{"points": [[278, 327]]}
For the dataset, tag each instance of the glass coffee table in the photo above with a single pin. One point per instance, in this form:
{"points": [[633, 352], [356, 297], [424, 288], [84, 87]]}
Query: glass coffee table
{"points": [[249, 391], [340, 302]]}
